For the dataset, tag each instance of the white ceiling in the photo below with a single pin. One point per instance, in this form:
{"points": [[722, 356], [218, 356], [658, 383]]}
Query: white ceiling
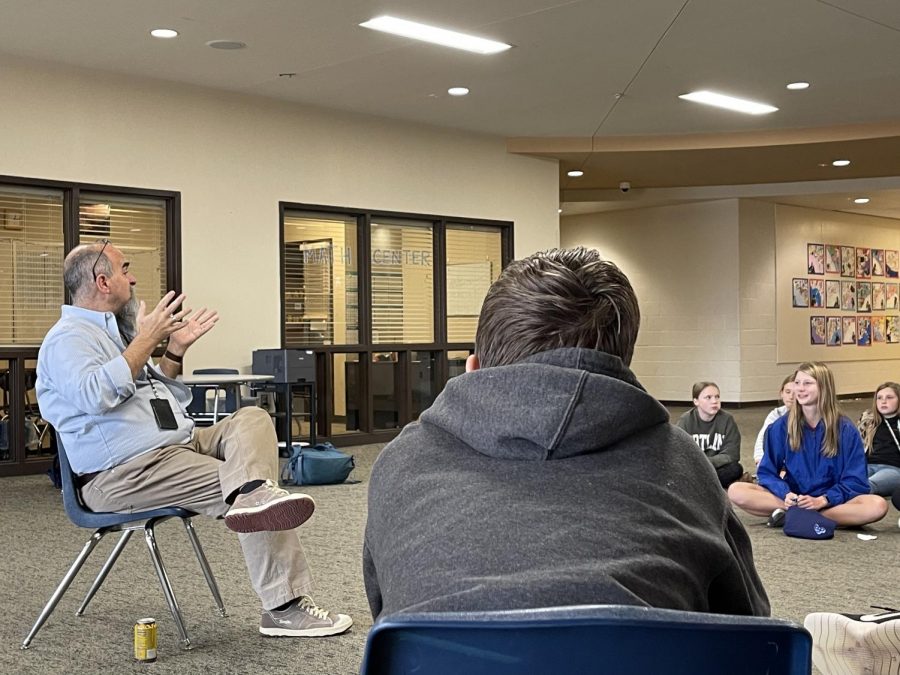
{"points": [[569, 62]]}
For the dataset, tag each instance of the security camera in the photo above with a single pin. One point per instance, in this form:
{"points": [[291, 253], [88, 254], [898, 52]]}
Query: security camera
{"points": [[624, 186]]}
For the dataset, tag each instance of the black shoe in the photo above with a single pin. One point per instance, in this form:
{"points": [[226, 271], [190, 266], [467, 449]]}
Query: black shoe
{"points": [[776, 519], [887, 615]]}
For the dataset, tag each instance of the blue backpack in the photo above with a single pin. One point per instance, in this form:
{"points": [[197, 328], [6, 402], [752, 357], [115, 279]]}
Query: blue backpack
{"points": [[320, 464]]}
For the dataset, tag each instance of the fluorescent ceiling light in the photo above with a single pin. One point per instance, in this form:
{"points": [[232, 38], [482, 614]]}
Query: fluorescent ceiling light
{"points": [[841, 162], [794, 86], [164, 33], [457, 91], [435, 35], [729, 102], [861, 200], [575, 174]]}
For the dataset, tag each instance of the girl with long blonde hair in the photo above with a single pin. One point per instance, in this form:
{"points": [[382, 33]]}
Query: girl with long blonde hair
{"points": [[821, 454]]}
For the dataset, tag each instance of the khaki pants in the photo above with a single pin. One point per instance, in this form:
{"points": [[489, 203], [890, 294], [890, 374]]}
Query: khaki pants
{"points": [[198, 476]]}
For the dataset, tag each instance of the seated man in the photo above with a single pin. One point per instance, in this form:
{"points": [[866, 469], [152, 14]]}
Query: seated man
{"points": [[123, 423], [547, 476]]}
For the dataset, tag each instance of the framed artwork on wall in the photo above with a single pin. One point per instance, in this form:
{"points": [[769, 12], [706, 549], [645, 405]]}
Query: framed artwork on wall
{"points": [[848, 261], [815, 258], [848, 296], [891, 264], [833, 294], [863, 331], [833, 329], [800, 293], [892, 329], [817, 293], [878, 330], [817, 330], [863, 263], [848, 329], [877, 262], [877, 296], [891, 299], [832, 259], [864, 296]]}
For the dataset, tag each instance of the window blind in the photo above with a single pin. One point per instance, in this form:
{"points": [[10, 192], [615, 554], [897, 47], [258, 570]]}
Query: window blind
{"points": [[31, 253]]}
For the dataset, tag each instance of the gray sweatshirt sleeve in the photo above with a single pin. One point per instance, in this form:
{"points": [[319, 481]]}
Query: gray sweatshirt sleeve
{"points": [[731, 448]]}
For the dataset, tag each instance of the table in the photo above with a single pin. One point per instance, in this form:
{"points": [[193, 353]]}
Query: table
{"points": [[234, 381], [226, 381]]}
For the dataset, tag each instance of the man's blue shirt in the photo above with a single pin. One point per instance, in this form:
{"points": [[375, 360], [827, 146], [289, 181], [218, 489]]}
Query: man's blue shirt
{"points": [[86, 391]]}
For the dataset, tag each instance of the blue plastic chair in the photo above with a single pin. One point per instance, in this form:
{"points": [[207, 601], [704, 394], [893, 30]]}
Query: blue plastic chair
{"points": [[587, 639], [127, 524]]}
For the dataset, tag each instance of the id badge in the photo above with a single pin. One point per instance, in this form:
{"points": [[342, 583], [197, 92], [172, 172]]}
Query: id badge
{"points": [[162, 411]]}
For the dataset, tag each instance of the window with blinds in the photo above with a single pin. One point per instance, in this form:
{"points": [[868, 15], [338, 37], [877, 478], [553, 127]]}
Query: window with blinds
{"points": [[402, 282], [474, 261], [137, 227], [31, 254], [321, 279]]}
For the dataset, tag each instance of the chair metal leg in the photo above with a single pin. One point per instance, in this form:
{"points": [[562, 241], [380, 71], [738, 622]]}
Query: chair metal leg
{"points": [[107, 566], [150, 538], [64, 585], [204, 565]]}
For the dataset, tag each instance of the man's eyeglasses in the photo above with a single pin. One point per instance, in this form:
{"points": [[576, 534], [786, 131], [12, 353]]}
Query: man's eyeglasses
{"points": [[99, 255]]}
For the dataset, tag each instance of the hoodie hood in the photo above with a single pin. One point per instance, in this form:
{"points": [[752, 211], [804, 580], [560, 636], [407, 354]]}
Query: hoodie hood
{"points": [[555, 404]]}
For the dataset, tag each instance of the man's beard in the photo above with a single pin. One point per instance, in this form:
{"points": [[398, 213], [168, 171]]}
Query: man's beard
{"points": [[126, 318]]}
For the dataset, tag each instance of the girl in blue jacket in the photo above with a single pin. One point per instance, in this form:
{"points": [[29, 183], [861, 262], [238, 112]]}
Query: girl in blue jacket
{"points": [[822, 456]]}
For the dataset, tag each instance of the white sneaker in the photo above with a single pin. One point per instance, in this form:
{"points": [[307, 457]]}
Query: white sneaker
{"points": [[855, 644]]}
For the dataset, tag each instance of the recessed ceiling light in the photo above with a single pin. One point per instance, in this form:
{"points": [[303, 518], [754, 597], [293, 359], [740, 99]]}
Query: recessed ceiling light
{"points": [[861, 200], [841, 162], [559, 210], [135, 229], [226, 44], [794, 86], [457, 91], [575, 174], [729, 102], [164, 33], [435, 35]]}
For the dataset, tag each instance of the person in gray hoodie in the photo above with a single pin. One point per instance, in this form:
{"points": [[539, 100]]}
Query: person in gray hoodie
{"points": [[547, 476]]}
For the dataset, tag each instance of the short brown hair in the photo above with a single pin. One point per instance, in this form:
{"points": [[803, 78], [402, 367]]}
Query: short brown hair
{"points": [[557, 298]]}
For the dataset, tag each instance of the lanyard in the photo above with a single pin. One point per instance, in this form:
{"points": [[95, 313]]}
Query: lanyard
{"points": [[893, 435]]}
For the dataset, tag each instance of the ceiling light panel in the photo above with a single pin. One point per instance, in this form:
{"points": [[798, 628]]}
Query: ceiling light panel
{"points": [[165, 33], [797, 86], [841, 162], [575, 174], [435, 35], [741, 105], [457, 91]]}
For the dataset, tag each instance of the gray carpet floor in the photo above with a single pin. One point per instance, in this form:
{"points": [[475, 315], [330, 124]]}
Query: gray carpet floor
{"points": [[37, 543]]}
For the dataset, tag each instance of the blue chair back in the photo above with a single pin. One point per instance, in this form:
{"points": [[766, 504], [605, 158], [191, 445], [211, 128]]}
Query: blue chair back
{"points": [[617, 639], [82, 516]]}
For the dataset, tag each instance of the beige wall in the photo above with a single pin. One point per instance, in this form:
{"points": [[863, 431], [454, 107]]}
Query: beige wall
{"points": [[705, 275], [682, 263], [233, 158]]}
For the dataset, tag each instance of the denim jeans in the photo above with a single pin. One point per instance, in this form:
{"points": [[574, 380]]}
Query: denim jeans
{"points": [[885, 479]]}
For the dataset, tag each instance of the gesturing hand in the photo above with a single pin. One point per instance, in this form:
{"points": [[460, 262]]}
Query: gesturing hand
{"points": [[194, 327], [163, 320]]}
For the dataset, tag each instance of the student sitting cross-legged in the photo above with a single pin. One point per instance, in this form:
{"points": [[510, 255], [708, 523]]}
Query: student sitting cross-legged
{"points": [[715, 431], [821, 454]]}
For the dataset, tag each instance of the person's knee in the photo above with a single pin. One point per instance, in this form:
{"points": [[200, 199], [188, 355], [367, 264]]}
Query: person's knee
{"points": [[252, 412], [738, 493]]}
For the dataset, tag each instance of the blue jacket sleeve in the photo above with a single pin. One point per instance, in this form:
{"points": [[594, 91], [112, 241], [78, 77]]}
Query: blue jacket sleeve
{"points": [[853, 480], [774, 449]]}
